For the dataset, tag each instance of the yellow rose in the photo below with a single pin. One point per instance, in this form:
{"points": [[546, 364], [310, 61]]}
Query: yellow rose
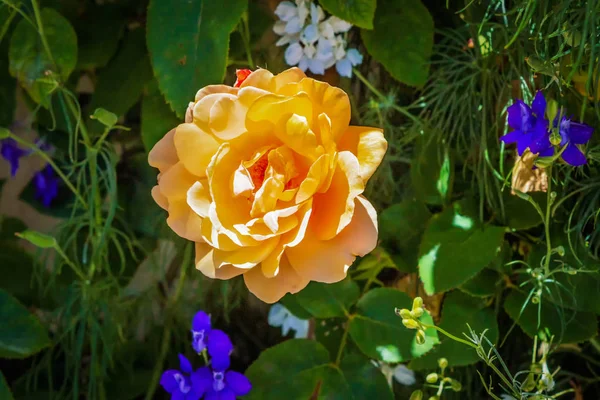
{"points": [[266, 178]]}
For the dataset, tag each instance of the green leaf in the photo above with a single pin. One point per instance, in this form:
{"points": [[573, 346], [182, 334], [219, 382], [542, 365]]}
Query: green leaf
{"points": [[366, 380], [19, 284], [520, 214], [329, 333], [121, 82], [455, 247], [29, 61], [402, 39], [459, 310], [194, 53], [372, 264], [357, 12], [378, 331], [5, 392], [290, 301], [157, 116], [99, 31], [21, 334], [4, 133], [38, 239], [484, 284], [432, 169], [105, 117], [566, 325], [401, 227], [295, 370], [328, 300]]}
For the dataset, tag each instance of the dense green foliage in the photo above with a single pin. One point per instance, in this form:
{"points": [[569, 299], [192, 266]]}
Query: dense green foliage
{"points": [[104, 304]]}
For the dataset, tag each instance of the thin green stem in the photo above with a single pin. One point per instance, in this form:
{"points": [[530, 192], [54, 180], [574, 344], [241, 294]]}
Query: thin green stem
{"points": [[166, 341], [40, 27], [47, 158], [246, 38], [547, 223], [451, 336], [340, 352]]}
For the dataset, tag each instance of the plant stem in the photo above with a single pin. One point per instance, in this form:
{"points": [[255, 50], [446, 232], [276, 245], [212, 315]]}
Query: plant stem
{"points": [[340, 352], [47, 158], [451, 336], [166, 341], [40, 27], [547, 223], [70, 263]]}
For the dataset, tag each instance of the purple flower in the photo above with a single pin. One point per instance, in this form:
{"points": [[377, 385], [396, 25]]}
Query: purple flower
{"points": [[201, 327], [11, 152], [220, 385], [46, 185], [178, 383], [530, 127], [572, 134]]}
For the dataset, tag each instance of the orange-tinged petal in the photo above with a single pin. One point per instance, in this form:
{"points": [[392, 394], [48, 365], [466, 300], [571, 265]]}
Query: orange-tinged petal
{"points": [[205, 264], [195, 148], [271, 290], [291, 75], [184, 221], [261, 78], [272, 108], [198, 198], [328, 261], [299, 137], [369, 146], [242, 182], [228, 114], [266, 196], [175, 182], [246, 257], [325, 99], [163, 155], [201, 112], [315, 177], [159, 198], [214, 89], [333, 210]]}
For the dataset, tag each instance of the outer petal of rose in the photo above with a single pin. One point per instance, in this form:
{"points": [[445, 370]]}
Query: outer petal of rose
{"points": [[325, 99], [291, 75], [175, 182], [328, 261], [317, 173], [369, 146], [333, 210], [159, 198], [271, 290], [163, 155], [194, 148], [273, 108], [262, 79], [205, 264], [184, 221], [212, 89]]}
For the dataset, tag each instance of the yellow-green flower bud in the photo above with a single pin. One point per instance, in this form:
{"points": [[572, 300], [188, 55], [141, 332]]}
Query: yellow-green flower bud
{"points": [[420, 336], [456, 385], [443, 363], [417, 312], [416, 395], [434, 398], [404, 313], [555, 138], [410, 323], [417, 303], [432, 378]]}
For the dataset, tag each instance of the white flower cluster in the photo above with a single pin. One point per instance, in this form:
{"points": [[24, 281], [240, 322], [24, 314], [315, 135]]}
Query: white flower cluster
{"points": [[279, 316], [315, 43]]}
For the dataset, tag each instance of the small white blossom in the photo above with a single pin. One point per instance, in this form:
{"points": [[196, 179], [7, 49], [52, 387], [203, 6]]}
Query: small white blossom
{"points": [[404, 376], [315, 43], [279, 316]]}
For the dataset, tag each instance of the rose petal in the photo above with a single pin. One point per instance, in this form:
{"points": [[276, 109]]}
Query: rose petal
{"points": [[205, 264], [163, 155], [195, 148], [159, 198], [369, 146], [328, 261], [184, 222], [271, 290], [198, 198]]}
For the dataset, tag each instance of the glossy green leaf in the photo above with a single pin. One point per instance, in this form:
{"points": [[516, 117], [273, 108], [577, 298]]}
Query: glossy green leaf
{"points": [[378, 331], [402, 39], [432, 169], [329, 333], [372, 264], [328, 300], [121, 82], [290, 301], [566, 325], [99, 31], [38, 239], [21, 333], [29, 61], [194, 53], [365, 379], [401, 227], [484, 284], [357, 12], [157, 116], [459, 310], [5, 392], [455, 247], [296, 369]]}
